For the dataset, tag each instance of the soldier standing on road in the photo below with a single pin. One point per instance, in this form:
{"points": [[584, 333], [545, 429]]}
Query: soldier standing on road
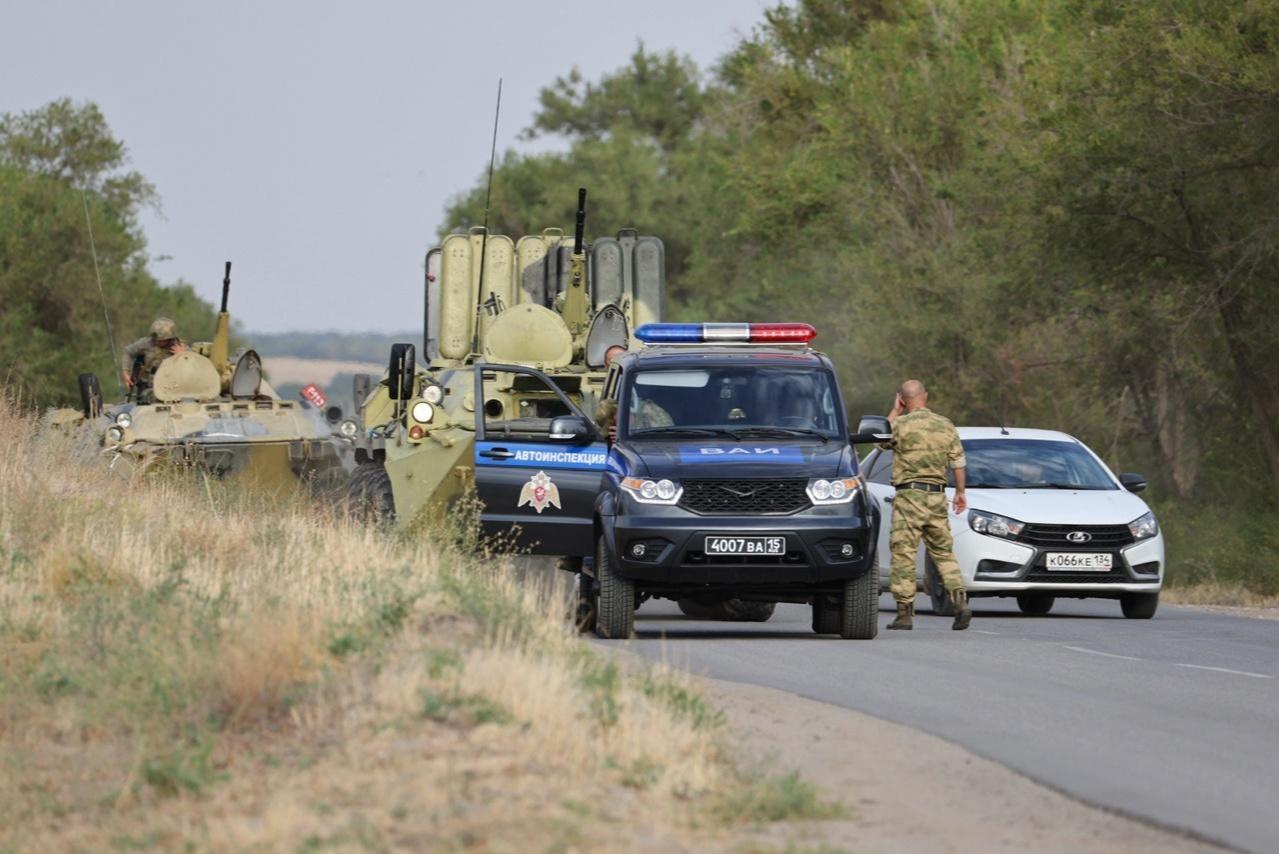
{"points": [[924, 444], [147, 353]]}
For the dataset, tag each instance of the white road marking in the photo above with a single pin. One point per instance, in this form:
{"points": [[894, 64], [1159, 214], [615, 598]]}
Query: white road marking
{"points": [[1106, 654], [1226, 670], [984, 632]]}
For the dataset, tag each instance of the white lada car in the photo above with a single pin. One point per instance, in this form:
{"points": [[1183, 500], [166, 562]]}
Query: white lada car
{"points": [[1046, 519]]}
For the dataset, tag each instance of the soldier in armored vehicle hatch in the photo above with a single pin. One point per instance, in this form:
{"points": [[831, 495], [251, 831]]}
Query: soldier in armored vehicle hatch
{"points": [[143, 357]]}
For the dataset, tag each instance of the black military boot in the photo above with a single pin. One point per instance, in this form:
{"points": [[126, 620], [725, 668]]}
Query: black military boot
{"points": [[905, 616], [963, 614]]}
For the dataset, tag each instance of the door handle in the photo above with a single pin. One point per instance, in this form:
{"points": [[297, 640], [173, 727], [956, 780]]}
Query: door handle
{"points": [[888, 499], [497, 454]]}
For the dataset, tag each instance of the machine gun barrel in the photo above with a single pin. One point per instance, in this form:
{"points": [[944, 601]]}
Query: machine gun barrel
{"points": [[226, 286], [580, 230]]}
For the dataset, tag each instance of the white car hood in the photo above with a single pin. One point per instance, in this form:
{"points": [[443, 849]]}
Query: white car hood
{"points": [[1060, 506]]}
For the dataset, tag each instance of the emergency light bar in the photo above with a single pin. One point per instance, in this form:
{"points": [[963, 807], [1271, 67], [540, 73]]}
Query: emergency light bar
{"points": [[726, 333]]}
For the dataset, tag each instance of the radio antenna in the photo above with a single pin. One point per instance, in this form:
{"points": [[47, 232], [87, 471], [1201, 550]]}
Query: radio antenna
{"points": [[102, 294], [484, 240]]}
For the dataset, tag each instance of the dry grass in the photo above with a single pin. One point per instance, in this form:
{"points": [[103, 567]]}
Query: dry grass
{"points": [[1215, 593], [182, 665]]}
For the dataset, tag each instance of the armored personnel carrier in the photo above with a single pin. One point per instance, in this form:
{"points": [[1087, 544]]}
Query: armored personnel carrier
{"points": [[211, 410], [516, 334]]}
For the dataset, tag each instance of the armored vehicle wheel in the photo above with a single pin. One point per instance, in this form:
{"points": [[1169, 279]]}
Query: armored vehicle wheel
{"points": [[1035, 604], [731, 610], [826, 615], [1139, 606], [859, 619], [615, 617], [90, 395], [942, 604], [368, 495]]}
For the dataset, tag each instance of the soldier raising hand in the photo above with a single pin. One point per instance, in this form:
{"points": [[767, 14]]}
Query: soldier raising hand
{"points": [[147, 354], [924, 445]]}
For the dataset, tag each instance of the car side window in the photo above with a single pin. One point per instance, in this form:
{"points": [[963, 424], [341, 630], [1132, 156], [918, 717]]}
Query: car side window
{"points": [[522, 411], [881, 468]]}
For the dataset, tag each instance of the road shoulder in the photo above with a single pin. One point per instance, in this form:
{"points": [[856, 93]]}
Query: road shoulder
{"points": [[909, 791]]}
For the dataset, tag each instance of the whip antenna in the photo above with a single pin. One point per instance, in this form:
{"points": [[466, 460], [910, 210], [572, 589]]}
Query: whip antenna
{"points": [[102, 294], [484, 241]]}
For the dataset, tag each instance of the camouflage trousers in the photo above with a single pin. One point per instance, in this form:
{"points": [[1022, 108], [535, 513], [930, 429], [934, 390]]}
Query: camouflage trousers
{"points": [[919, 514]]}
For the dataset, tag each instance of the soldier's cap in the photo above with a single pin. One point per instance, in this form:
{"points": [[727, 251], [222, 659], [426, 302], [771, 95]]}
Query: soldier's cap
{"points": [[164, 329]]}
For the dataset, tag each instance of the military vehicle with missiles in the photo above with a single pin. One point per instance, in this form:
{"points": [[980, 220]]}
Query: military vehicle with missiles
{"points": [[214, 411]]}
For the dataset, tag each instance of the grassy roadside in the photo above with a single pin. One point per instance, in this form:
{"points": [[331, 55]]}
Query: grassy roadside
{"points": [[181, 665]]}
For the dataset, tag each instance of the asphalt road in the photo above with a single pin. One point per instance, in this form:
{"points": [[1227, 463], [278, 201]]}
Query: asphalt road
{"points": [[1174, 720]]}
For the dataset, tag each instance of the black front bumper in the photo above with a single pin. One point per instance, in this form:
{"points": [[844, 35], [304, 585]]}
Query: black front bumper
{"points": [[674, 557]]}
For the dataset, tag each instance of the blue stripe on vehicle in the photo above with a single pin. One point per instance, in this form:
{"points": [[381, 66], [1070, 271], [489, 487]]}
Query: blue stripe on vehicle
{"points": [[739, 454], [592, 458]]}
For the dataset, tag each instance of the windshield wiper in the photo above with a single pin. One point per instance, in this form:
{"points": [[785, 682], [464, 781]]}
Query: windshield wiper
{"points": [[686, 431], [785, 431], [1044, 484]]}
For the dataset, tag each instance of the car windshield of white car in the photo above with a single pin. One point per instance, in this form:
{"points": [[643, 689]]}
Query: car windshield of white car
{"points": [[1032, 464], [743, 401]]}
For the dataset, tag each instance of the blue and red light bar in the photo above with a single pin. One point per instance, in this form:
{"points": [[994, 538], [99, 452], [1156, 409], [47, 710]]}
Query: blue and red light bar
{"points": [[726, 333]]}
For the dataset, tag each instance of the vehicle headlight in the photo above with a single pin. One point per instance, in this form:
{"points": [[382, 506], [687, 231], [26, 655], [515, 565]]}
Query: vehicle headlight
{"points": [[422, 412], [652, 491], [838, 491], [124, 419], [115, 434], [433, 394], [348, 428], [994, 524], [1144, 527]]}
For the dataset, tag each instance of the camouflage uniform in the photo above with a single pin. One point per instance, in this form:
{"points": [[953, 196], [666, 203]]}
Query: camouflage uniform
{"points": [[648, 415], [923, 444], [151, 355]]}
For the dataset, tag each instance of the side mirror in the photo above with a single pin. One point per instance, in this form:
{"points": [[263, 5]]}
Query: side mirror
{"points": [[1132, 482], [871, 429], [400, 371], [571, 428]]}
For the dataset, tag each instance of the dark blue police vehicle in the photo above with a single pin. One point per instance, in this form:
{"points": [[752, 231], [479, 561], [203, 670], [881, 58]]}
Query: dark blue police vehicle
{"points": [[731, 477]]}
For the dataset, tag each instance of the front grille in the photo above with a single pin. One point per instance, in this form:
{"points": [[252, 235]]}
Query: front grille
{"points": [[1053, 576], [695, 557], [1102, 537], [738, 497]]}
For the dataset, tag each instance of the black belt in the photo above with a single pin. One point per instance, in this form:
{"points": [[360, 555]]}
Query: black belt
{"points": [[923, 487]]}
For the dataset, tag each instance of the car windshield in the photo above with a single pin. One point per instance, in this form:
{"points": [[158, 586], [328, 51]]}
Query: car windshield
{"points": [[742, 401], [1032, 464]]}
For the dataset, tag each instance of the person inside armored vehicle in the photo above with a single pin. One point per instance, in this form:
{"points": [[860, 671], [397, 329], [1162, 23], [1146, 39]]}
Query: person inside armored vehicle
{"points": [[142, 358]]}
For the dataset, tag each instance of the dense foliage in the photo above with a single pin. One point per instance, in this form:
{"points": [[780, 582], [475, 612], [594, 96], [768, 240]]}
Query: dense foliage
{"points": [[1056, 214], [61, 171]]}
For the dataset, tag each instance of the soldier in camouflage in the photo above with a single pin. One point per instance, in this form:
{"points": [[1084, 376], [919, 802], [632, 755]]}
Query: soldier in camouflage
{"points": [[924, 444], [147, 354]]}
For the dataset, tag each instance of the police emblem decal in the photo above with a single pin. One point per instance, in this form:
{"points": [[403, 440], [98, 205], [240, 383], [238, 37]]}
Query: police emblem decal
{"points": [[539, 492]]}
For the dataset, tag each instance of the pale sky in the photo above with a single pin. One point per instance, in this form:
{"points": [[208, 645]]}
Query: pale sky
{"points": [[315, 144]]}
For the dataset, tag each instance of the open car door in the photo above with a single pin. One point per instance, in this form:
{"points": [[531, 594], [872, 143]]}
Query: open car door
{"points": [[539, 468]]}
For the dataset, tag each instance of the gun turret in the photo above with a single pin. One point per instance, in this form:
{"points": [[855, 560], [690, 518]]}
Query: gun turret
{"points": [[220, 352], [576, 304]]}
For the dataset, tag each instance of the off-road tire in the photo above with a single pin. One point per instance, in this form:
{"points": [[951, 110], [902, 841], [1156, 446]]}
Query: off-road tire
{"points": [[368, 497], [826, 615], [859, 617], [615, 613], [1036, 604], [943, 605], [90, 395], [730, 610], [1139, 606]]}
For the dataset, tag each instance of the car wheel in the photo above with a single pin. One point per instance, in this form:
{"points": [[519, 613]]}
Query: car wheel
{"points": [[943, 605], [731, 610], [615, 613], [826, 615], [1139, 606], [1035, 604], [859, 618]]}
